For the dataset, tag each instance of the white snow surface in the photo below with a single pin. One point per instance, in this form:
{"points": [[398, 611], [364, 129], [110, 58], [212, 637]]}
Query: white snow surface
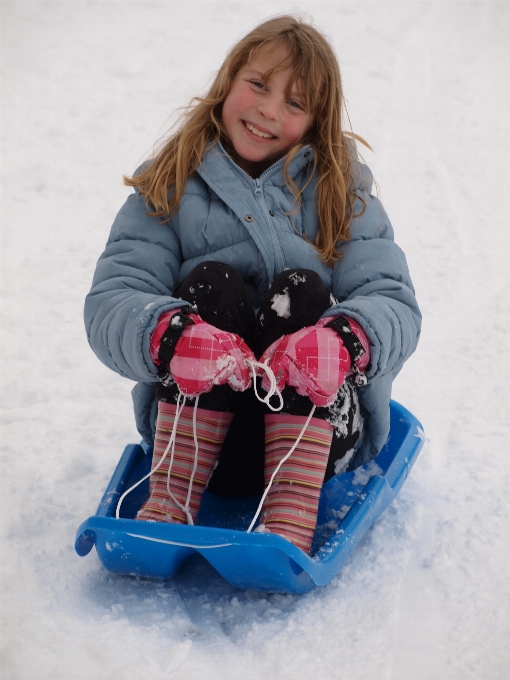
{"points": [[281, 304], [87, 87]]}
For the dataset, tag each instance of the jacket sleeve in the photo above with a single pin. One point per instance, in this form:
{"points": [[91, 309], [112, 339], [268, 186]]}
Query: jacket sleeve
{"points": [[372, 285], [132, 287]]}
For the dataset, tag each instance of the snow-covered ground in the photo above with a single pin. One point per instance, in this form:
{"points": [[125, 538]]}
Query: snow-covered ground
{"points": [[87, 88]]}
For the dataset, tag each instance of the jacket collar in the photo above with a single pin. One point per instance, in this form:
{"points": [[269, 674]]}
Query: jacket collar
{"points": [[240, 193], [217, 165]]}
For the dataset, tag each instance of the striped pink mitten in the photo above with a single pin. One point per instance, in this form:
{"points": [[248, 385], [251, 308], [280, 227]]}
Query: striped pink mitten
{"points": [[292, 503], [211, 430]]}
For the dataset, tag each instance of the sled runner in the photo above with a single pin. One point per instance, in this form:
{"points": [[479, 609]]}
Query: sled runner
{"points": [[350, 503]]}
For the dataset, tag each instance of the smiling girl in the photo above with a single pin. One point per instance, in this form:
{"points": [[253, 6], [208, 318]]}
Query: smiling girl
{"points": [[252, 259], [265, 112]]}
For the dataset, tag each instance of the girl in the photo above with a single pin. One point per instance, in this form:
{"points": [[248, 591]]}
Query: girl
{"points": [[253, 234]]}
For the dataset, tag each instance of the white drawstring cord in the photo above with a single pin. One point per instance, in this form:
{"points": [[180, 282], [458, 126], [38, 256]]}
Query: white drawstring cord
{"points": [[171, 446], [185, 508], [171, 443], [272, 379], [303, 430]]}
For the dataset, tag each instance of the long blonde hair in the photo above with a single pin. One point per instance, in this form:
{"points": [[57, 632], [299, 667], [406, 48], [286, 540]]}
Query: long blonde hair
{"points": [[315, 65]]}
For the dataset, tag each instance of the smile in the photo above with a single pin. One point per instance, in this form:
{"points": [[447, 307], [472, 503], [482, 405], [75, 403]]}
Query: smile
{"points": [[257, 132]]}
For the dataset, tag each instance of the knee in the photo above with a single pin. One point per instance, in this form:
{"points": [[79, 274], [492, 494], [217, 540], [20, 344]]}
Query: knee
{"points": [[296, 298], [215, 274], [296, 277], [208, 280], [297, 282], [219, 292], [220, 272]]}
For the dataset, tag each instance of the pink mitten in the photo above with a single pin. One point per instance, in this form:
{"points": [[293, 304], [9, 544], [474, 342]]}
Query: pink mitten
{"points": [[314, 360], [205, 356]]}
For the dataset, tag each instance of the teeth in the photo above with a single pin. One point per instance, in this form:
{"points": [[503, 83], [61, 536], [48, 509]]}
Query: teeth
{"points": [[259, 133]]}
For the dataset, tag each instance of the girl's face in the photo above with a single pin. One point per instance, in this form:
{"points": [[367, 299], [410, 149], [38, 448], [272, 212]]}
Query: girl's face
{"points": [[261, 123]]}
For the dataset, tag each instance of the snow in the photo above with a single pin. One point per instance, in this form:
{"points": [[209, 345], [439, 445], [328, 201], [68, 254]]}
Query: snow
{"points": [[296, 278], [338, 412], [363, 474], [281, 304], [87, 89], [341, 464]]}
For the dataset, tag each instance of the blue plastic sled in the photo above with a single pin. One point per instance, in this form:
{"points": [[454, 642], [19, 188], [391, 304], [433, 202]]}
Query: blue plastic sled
{"points": [[350, 503]]}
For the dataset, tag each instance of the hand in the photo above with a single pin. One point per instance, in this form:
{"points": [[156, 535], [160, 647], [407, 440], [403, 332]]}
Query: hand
{"points": [[205, 356], [160, 336], [314, 361]]}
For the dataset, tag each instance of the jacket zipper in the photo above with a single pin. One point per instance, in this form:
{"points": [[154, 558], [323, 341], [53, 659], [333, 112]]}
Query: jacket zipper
{"points": [[275, 241]]}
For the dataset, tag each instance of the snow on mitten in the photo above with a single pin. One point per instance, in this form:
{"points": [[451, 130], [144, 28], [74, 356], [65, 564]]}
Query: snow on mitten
{"points": [[205, 356], [315, 360]]}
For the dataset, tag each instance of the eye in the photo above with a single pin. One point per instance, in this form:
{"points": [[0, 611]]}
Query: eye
{"points": [[296, 105], [258, 84]]}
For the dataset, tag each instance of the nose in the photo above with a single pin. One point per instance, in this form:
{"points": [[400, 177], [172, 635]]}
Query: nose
{"points": [[268, 107]]}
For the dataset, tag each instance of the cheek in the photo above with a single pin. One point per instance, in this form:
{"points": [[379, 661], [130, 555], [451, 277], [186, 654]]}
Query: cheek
{"points": [[234, 105], [226, 112], [296, 130]]}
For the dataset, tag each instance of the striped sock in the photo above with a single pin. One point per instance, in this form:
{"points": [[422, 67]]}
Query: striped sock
{"points": [[291, 505], [211, 430]]}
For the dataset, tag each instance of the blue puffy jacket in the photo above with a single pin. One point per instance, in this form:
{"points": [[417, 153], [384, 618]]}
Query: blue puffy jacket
{"points": [[227, 216]]}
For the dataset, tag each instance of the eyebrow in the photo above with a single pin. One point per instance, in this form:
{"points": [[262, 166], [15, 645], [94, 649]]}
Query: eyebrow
{"points": [[296, 92], [254, 72]]}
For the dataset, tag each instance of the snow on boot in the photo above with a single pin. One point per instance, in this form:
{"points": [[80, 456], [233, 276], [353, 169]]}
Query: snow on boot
{"points": [[291, 505], [176, 497]]}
